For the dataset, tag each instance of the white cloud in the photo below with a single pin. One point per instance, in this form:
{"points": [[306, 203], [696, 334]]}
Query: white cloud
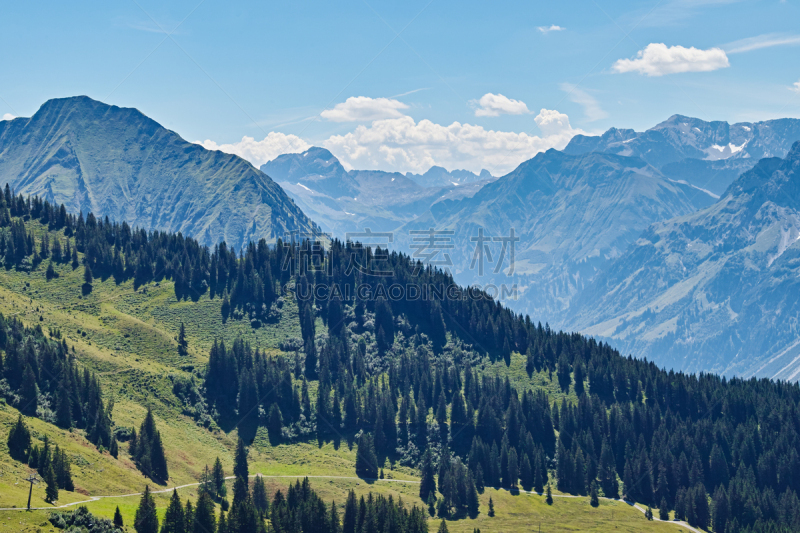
{"points": [[402, 145], [548, 29], [657, 60], [795, 87], [591, 107], [364, 109], [492, 105], [767, 40], [8, 116], [259, 152]]}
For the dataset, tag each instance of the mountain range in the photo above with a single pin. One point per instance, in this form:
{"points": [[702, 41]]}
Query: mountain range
{"points": [[572, 214], [344, 202], [117, 162], [678, 243], [715, 290], [708, 155]]}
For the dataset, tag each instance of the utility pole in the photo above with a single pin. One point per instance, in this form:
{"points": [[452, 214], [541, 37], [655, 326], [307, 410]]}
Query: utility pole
{"points": [[31, 479]]}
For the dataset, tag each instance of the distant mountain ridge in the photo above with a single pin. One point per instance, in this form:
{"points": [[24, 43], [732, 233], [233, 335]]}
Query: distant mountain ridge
{"points": [[715, 290], [345, 202], [709, 155], [117, 162], [573, 215]]}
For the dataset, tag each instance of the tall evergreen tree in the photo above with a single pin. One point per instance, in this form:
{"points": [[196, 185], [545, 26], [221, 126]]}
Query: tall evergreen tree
{"points": [[183, 344], [19, 440], [174, 519], [366, 458], [146, 519]]}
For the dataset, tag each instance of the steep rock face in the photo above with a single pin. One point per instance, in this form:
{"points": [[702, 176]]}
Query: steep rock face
{"points": [[572, 214], [347, 202], [117, 162], [716, 290], [708, 155]]}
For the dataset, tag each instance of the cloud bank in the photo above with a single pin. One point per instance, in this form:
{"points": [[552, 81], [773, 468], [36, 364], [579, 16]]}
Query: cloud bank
{"points": [[657, 60], [8, 116], [364, 109], [405, 145], [259, 152], [493, 105]]}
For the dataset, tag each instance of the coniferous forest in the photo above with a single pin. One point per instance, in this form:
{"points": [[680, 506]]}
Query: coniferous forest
{"points": [[405, 378]]}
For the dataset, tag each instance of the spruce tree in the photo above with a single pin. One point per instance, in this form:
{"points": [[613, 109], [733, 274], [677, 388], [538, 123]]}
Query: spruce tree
{"points": [[549, 495], [663, 512], [218, 477], [146, 519], [118, 522], [51, 491], [442, 527], [427, 484], [19, 440], [183, 344], [491, 506], [349, 520], [366, 459], [241, 471], [174, 519], [204, 519], [260, 498], [594, 499]]}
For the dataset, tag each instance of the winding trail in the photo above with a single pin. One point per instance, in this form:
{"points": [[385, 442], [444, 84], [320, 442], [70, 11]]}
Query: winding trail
{"points": [[354, 478]]}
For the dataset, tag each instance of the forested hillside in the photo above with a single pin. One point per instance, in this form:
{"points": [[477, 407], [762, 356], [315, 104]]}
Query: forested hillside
{"points": [[389, 358]]}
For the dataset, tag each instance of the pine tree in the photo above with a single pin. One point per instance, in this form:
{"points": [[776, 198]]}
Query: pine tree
{"points": [[275, 423], [549, 495], [349, 520], [241, 471], [183, 344], [174, 519], [260, 498], [366, 458], [218, 478], [204, 520], [648, 513], [51, 491], [431, 503], [663, 512], [88, 279], [222, 525], [51, 272], [427, 484], [491, 506], [594, 499], [19, 440], [146, 519], [442, 527], [118, 519], [114, 448]]}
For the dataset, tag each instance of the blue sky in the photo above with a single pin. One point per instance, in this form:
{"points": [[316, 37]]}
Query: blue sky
{"points": [[460, 84]]}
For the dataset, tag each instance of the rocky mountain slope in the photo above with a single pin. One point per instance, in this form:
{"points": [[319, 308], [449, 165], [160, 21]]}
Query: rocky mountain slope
{"points": [[715, 290], [117, 162], [709, 155], [573, 215], [344, 201]]}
